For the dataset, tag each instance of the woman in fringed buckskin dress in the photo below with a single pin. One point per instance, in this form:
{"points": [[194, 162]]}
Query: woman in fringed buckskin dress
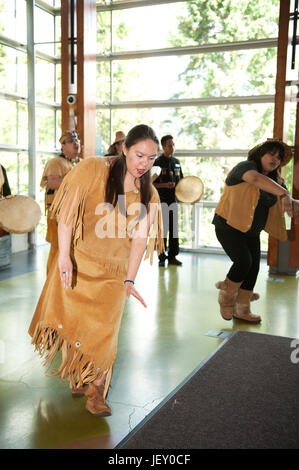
{"points": [[108, 214]]}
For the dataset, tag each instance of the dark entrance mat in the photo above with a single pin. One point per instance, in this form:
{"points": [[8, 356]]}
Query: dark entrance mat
{"points": [[245, 396]]}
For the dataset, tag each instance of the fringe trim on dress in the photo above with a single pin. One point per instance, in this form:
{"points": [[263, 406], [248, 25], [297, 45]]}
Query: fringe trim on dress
{"points": [[75, 366], [69, 202], [155, 237], [114, 268]]}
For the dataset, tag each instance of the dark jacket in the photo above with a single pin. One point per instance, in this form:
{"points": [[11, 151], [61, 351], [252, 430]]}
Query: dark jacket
{"points": [[171, 172]]}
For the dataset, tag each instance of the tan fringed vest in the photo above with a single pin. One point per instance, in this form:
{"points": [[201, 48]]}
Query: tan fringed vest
{"points": [[237, 206]]}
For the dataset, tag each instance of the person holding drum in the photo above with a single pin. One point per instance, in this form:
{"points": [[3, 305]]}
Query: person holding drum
{"points": [[54, 172], [108, 214], [171, 173], [254, 199]]}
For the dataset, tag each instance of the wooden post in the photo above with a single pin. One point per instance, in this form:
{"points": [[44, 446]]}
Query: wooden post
{"points": [[280, 92], [294, 235], [86, 75], [65, 61], [79, 115]]}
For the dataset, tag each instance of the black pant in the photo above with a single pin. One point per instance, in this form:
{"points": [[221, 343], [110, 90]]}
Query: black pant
{"points": [[245, 253], [170, 228]]}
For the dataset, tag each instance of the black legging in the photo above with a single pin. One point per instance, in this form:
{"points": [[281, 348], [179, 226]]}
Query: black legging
{"points": [[244, 251], [170, 226]]}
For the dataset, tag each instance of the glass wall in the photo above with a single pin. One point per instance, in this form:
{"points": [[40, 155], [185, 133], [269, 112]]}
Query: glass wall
{"points": [[14, 78], [16, 165], [47, 91]]}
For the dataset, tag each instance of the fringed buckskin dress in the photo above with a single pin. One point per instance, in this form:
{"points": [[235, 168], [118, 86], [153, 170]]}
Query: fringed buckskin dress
{"points": [[82, 322]]}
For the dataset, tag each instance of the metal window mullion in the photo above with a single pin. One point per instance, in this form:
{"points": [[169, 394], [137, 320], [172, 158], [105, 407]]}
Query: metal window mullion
{"points": [[44, 104], [189, 50], [15, 17], [46, 7], [196, 209], [47, 57], [176, 103], [18, 172], [31, 108], [12, 148], [55, 82], [111, 77], [55, 85], [135, 4], [17, 143], [5, 41], [211, 153], [17, 125], [10, 96]]}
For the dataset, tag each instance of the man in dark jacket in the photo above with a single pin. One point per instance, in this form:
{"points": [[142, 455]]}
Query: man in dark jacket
{"points": [[170, 175]]}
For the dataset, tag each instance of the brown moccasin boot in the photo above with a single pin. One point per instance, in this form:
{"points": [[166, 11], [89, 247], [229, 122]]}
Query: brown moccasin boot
{"points": [[228, 291], [96, 403], [242, 307], [79, 391]]}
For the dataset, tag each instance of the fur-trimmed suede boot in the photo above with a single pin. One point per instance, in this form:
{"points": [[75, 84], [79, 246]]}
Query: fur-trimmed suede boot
{"points": [[96, 403], [228, 291], [222, 285], [242, 307]]}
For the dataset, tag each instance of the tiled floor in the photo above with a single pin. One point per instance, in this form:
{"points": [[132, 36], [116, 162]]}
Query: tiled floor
{"points": [[158, 347]]}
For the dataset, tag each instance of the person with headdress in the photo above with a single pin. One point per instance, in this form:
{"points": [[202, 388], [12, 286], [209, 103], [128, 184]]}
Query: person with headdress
{"points": [[108, 214], [54, 172], [116, 147], [254, 199]]}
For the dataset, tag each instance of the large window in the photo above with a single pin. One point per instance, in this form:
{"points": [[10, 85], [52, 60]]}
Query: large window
{"points": [[13, 95], [15, 75]]}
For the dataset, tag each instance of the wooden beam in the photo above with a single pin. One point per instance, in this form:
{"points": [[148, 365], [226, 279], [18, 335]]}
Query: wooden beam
{"points": [[81, 115], [294, 235], [281, 71], [282, 50], [86, 75], [65, 60]]}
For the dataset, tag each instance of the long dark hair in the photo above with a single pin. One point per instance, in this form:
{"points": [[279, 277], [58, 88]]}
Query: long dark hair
{"points": [[115, 182], [258, 152]]}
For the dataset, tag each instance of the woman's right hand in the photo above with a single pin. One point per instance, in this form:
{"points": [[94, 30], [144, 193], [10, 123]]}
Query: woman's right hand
{"points": [[130, 290], [65, 267], [287, 205]]}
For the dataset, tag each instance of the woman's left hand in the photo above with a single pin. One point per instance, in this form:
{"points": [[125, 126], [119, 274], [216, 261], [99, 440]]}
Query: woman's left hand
{"points": [[130, 290], [287, 205]]}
